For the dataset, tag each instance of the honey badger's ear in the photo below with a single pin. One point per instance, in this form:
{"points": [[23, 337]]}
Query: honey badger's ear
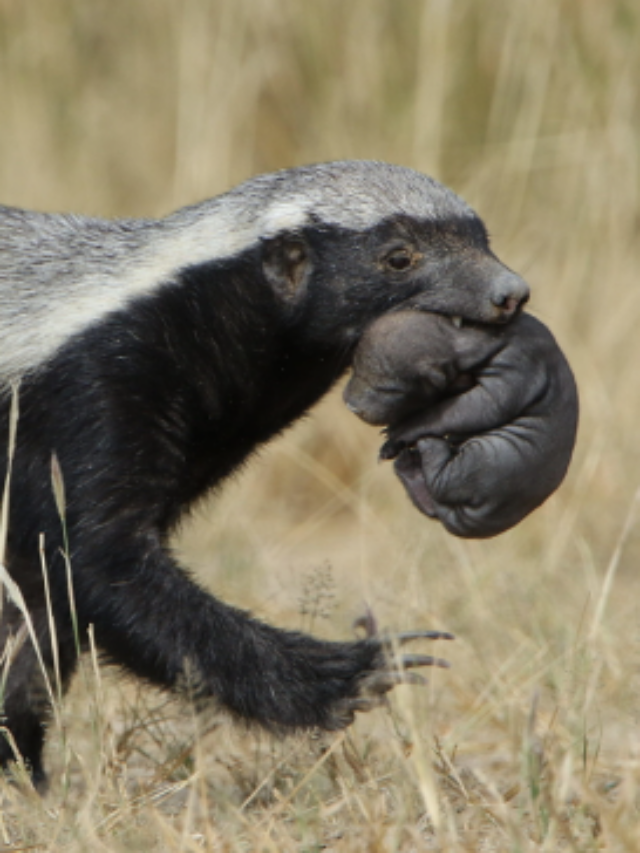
{"points": [[286, 261]]}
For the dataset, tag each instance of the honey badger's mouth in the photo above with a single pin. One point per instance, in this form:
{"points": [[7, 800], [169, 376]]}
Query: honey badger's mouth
{"points": [[459, 322], [408, 467]]}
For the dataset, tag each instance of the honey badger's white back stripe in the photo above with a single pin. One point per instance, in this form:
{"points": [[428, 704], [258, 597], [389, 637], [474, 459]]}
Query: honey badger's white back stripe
{"points": [[59, 274]]}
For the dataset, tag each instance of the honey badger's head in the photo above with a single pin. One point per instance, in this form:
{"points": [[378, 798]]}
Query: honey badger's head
{"points": [[345, 242]]}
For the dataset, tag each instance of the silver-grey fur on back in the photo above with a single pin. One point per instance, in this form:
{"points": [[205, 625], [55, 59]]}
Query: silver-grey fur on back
{"points": [[61, 273]]}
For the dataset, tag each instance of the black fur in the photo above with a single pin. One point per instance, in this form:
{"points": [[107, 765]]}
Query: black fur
{"points": [[153, 406]]}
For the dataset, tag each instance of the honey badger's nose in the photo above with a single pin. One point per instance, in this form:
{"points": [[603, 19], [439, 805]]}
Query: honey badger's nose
{"points": [[509, 294]]}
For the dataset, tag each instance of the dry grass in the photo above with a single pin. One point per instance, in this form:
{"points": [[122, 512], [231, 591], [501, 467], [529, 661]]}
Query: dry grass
{"points": [[532, 112]]}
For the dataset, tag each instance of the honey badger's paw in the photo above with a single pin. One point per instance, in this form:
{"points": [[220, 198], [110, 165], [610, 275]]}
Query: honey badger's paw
{"points": [[390, 667]]}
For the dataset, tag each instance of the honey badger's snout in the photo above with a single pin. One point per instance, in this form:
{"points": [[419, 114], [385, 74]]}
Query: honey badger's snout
{"points": [[508, 294], [472, 286]]}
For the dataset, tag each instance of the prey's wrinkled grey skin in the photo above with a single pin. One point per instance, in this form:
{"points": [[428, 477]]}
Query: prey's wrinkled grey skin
{"points": [[482, 420]]}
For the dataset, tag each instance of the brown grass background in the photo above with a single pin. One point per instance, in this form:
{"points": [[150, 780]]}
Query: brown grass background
{"points": [[531, 111]]}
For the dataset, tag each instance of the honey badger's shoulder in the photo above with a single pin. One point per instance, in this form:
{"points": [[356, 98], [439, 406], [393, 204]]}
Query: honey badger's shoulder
{"points": [[58, 273]]}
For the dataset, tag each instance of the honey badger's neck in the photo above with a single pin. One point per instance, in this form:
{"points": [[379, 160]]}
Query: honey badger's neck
{"points": [[61, 274], [186, 383]]}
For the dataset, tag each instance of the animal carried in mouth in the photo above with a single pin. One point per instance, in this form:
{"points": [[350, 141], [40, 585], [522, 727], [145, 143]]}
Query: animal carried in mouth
{"points": [[482, 420]]}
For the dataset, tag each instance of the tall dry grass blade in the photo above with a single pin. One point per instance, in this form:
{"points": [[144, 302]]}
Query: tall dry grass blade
{"points": [[612, 568], [267, 778], [285, 801], [55, 651], [57, 481], [11, 648], [15, 594], [421, 762], [14, 413], [24, 776]]}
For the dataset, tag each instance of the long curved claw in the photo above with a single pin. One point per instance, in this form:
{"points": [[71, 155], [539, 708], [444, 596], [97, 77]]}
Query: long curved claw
{"points": [[411, 661], [364, 704], [379, 683], [409, 636], [367, 622]]}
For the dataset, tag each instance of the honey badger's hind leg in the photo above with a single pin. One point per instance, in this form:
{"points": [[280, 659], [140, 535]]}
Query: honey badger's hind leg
{"points": [[25, 701]]}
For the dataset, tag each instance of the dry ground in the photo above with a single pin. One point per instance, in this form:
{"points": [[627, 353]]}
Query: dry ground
{"points": [[532, 112]]}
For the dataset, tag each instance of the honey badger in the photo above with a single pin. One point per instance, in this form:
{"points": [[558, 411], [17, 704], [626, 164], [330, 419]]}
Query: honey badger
{"points": [[153, 357]]}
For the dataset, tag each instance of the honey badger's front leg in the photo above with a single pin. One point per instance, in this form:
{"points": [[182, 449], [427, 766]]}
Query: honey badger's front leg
{"points": [[277, 678], [151, 619]]}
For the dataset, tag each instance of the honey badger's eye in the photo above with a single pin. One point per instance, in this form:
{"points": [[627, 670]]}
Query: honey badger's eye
{"points": [[399, 259]]}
